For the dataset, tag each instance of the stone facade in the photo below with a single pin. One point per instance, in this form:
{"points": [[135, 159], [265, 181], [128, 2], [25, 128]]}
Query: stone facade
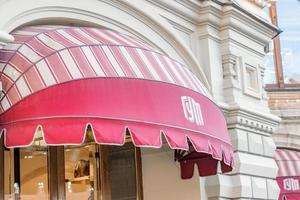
{"points": [[223, 43], [285, 103]]}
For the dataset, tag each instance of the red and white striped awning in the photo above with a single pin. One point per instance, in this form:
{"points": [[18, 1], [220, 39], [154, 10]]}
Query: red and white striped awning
{"points": [[288, 177], [60, 80]]}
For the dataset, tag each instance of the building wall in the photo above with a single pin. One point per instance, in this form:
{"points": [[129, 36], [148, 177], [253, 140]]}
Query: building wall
{"points": [[161, 177], [223, 43], [285, 103]]}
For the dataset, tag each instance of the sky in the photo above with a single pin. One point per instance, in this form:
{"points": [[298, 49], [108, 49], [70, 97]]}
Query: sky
{"points": [[289, 22]]}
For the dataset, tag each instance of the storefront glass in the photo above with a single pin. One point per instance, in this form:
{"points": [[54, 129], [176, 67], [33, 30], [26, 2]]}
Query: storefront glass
{"points": [[8, 175], [115, 164], [92, 172], [26, 173], [122, 170], [33, 173], [80, 172]]}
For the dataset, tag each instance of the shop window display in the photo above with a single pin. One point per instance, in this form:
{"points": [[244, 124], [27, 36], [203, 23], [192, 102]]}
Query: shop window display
{"points": [[80, 171], [92, 172], [26, 173], [115, 164]]}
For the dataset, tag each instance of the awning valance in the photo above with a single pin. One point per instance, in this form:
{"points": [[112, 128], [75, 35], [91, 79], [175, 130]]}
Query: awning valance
{"points": [[60, 80], [288, 177]]}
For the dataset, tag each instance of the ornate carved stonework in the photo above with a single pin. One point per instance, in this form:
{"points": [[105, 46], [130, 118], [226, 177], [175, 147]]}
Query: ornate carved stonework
{"points": [[246, 121], [230, 71]]}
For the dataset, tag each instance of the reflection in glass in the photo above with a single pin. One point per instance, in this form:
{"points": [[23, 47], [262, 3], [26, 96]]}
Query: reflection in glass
{"points": [[79, 172], [26, 175], [100, 172], [33, 171], [92, 172], [122, 171], [8, 175]]}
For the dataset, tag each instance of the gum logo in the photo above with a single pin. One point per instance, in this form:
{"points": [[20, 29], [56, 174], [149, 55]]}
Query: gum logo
{"points": [[192, 110], [291, 184]]}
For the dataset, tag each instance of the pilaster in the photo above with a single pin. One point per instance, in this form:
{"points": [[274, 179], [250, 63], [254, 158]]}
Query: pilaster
{"points": [[232, 42]]}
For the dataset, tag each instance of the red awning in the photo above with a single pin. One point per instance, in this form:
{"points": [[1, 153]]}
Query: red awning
{"points": [[61, 80], [288, 177]]}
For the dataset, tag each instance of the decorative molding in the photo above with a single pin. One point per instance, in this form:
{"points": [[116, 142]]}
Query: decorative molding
{"points": [[231, 14], [5, 38], [229, 62], [216, 12], [251, 121], [179, 26], [185, 9], [231, 65], [251, 80]]}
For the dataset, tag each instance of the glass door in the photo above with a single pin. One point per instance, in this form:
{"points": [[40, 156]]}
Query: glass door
{"points": [[97, 172], [81, 171], [26, 173]]}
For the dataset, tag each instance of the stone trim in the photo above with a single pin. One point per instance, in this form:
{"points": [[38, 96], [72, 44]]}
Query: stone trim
{"points": [[5, 38]]}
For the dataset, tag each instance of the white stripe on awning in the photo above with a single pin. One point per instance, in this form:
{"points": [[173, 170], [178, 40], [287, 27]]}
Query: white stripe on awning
{"points": [[45, 73]]}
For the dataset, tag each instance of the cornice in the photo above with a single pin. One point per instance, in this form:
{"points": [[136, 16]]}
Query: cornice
{"points": [[221, 14], [249, 120], [230, 15], [237, 7]]}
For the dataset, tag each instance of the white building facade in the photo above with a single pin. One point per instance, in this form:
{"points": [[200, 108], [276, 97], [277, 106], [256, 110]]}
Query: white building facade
{"points": [[224, 43]]}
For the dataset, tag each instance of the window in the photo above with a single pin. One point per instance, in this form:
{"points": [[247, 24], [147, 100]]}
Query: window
{"points": [[81, 171], [90, 171], [115, 164], [33, 173], [122, 170], [26, 173]]}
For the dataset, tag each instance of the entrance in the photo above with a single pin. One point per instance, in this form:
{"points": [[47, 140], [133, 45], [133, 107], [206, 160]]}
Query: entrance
{"points": [[74, 172]]}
